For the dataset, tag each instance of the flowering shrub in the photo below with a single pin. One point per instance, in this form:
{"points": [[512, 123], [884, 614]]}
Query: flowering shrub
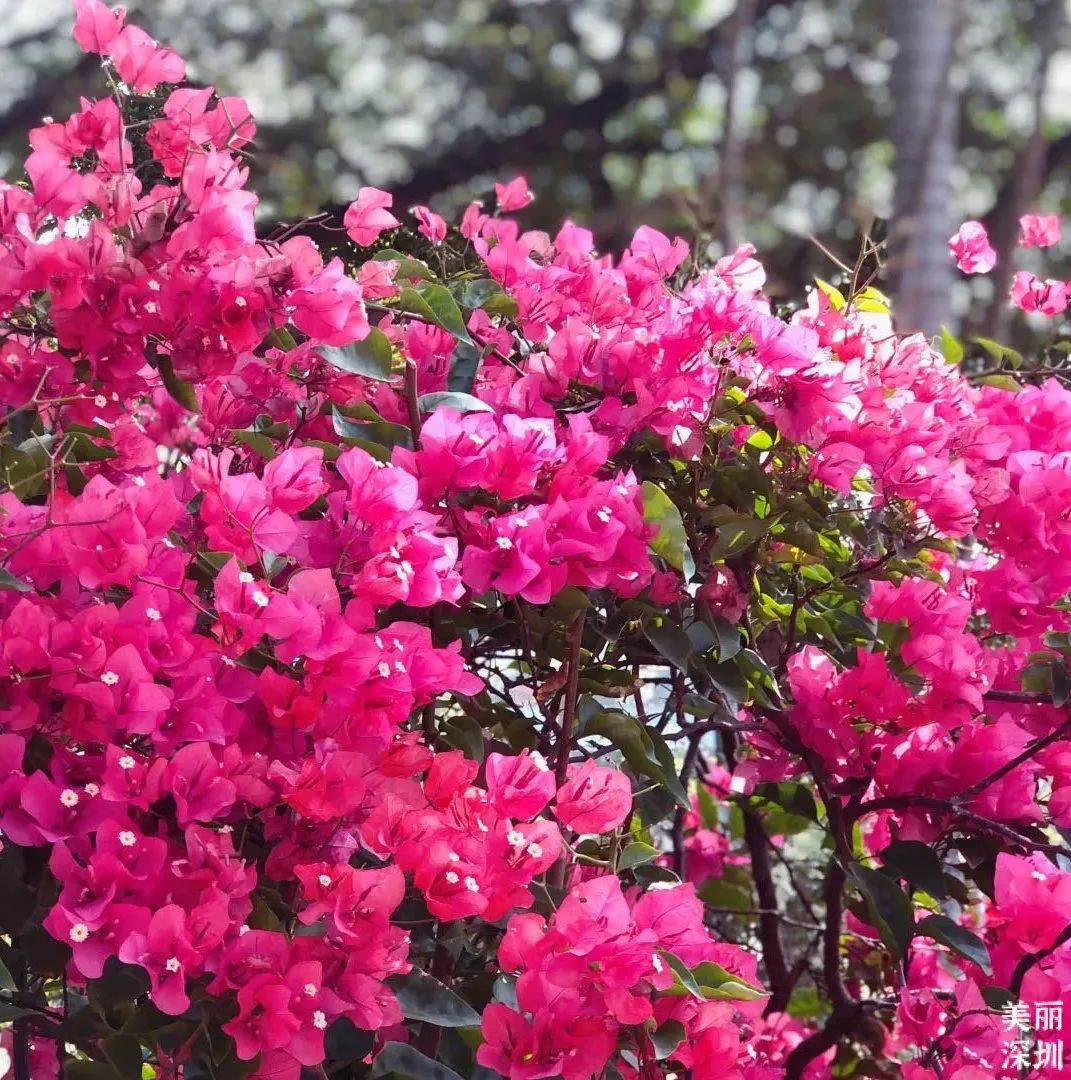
{"points": [[483, 657]]}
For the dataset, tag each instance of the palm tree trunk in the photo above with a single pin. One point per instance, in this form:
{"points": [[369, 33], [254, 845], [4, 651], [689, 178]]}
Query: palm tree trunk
{"points": [[925, 133]]}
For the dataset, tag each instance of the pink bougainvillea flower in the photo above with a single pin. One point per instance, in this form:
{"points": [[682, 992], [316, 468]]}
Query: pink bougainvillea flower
{"points": [[1030, 293], [369, 215], [594, 799], [430, 224], [971, 249], [1039, 230], [513, 195]]}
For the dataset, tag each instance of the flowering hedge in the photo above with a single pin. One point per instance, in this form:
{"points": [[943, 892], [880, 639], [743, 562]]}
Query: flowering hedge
{"points": [[477, 656]]}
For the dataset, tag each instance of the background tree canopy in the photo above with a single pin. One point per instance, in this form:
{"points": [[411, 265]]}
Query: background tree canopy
{"points": [[766, 120]]}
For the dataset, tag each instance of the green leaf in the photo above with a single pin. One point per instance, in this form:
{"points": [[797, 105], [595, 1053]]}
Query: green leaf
{"points": [[790, 796], [670, 542], [729, 639], [464, 362], [737, 533], [89, 1070], [422, 997], [78, 446], [889, 907], [872, 300], [280, 338], [958, 938], [465, 403], [1061, 683], [257, 442], [372, 356], [950, 346], [371, 433], [403, 1059], [1001, 353], [636, 855], [645, 751], [344, 1041], [10, 583], [917, 864], [1001, 381], [709, 981], [477, 292], [435, 304], [672, 643], [684, 983], [6, 981], [667, 1038], [182, 391], [997, 997], [124, 1054], [836, 297], [716, 983], [407, 267]]}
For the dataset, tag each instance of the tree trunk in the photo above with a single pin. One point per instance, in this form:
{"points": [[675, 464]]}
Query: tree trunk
{"points": [[925, 136]]}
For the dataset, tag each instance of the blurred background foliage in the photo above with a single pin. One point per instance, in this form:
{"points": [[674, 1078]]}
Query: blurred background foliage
{"points": [[774, 121]]}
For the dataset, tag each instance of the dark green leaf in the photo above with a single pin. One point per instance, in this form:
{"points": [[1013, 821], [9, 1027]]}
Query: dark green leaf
{"points": [[403, 1059], [378, 433], [421, 997], [10, 583], [645, 751], [889, 908], [672, 643], [372, 356], [670, 542], [476, 293], [667, 1038], [636, 855], [124, 1054], [434, 304], [1061, 683], [684, 983], [958, 938], [182, 391], [729, 639], [257, 442], [89, 1070], [997, 997], [445, 310], [78, 446], [344, 1041], [464, 362], [795, 798], [462, 402], [6, 981], [737, 533], [917, 864]]}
